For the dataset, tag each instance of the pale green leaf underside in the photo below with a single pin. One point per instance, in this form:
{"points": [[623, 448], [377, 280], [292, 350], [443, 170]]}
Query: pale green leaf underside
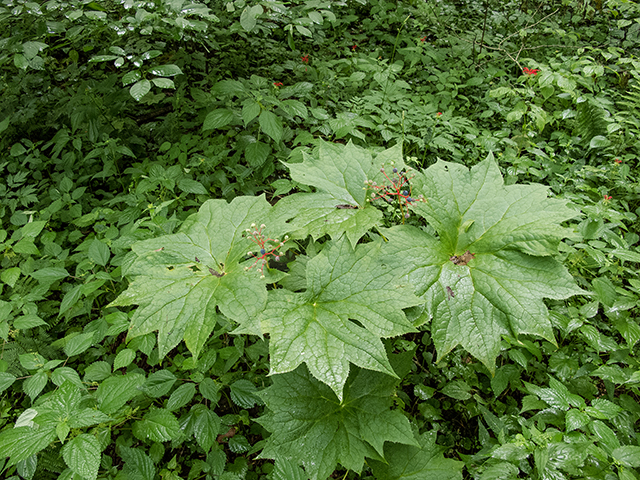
{"points": [[474, 210], [179, 280], [316, 327], [312, 427]]}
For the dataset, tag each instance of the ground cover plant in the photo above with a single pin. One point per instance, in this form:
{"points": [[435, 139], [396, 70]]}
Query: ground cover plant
{"points": [[355, 240]]}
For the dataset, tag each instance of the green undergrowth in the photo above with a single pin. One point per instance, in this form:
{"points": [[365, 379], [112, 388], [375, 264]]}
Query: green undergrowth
{"points": [[288, 241]]}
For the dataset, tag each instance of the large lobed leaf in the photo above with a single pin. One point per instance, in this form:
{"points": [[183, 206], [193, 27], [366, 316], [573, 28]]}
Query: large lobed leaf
{"points": [[310, 426], [340, 204], [180, 280], [317, 326], [498, 287]]}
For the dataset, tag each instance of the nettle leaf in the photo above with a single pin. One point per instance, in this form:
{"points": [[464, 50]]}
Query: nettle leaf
{"points": [[316, 327], [340, 204], [310, 426], [82, 455], [158, 425], [489, 269], [425, 462], [180, 280]]}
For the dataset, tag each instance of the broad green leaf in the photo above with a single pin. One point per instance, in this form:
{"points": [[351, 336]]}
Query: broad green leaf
{"points": [[157, 425], [316, 327], [181, 396], [286, 470], [304, 30], [599, 141], [21, 442], [271, 124], [310, 426], [575, 420], [457, 389], [340, 205], [26, 246], [82, 455], [244, 394], [28, 321], [425, 462], [78, 344], [10, 276], [628, 455], [166, 70], [192, 186], [32, 229], [124, 358], [115, 391], [206, 428], [163, 82], [32, 386], [316, 17], [87, 417], [99, 252], [490, 268], [256, 153], [64, 374], [248, 17], [604, 436], [209, 390], [102, 58], [49, 274], [159, 383], [138, 465], [218, 118], [140, 89], [180, 280], [250, 110], [6, 380], [70, 298], [4, 124], [131, 77]]}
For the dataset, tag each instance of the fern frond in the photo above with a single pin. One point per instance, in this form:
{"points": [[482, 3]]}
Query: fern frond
{"points": [[590, 121]]}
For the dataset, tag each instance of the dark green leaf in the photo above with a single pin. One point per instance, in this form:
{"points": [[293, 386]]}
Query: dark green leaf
{"points": [[217, 119], [271, 124], [82, 455], [99, 252], [138, 465], [157, 425], [245, 394], [78, 344], [424, 462], [115, 391], [49, 275], [159, 383], [310, 426], [21, 442], [206, 428], [181, 396]]}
